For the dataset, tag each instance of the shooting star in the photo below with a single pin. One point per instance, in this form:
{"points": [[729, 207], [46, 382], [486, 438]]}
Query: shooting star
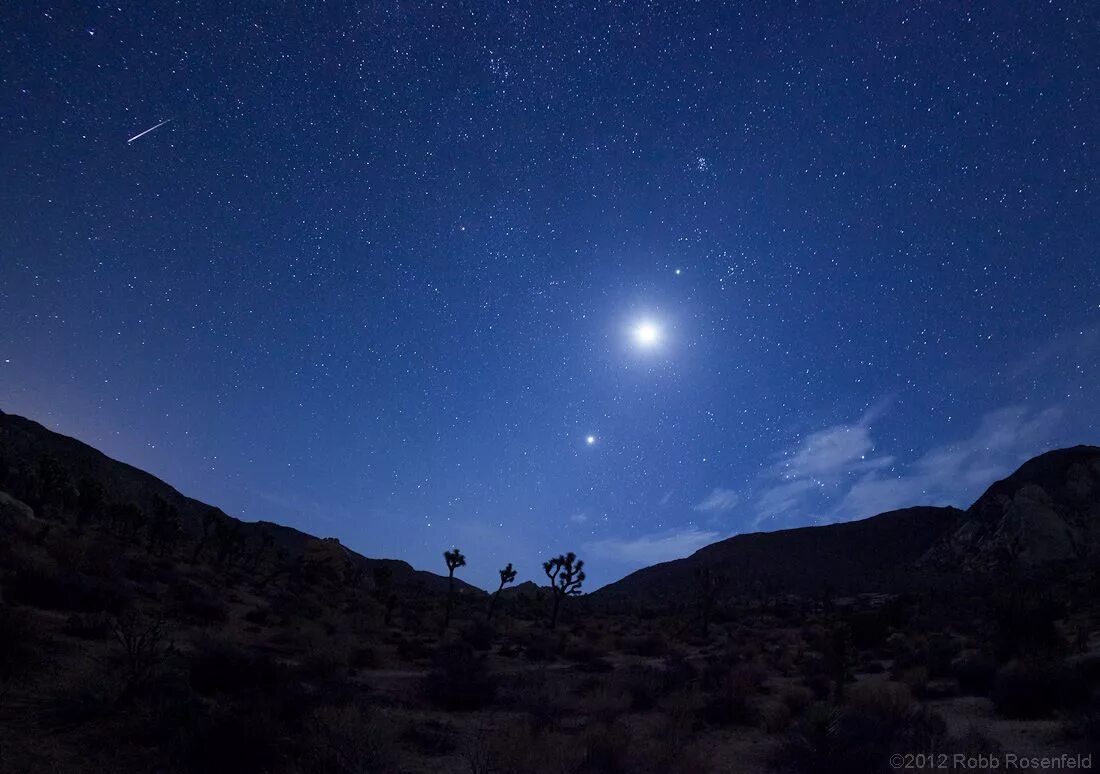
{"points": [[158, 126]]}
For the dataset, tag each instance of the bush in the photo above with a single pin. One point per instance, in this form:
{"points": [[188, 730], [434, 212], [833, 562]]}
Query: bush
{"points": [[429, 737], [458, 679], [648, 646], [730, 704], [194, 604], [974, 671], [542, 647], [261, 616], [87, 626], [606, 750], [230, 742], [347, 740], [479, 635], [45, 586], [219, 669], [18, 644], [888, 701], [1034, 689], [830, 741]]}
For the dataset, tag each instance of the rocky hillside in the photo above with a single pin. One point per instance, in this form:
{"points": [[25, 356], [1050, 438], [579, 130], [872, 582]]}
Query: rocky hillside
{"points": [[30, 454], [1047, 511]]}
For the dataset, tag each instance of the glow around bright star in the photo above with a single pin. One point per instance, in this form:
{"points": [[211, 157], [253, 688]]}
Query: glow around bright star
{"points": [[647, 334]]}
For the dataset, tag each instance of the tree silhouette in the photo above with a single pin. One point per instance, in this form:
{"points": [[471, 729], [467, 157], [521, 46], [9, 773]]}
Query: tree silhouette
{"points": [[507, 575], [454, 560], [566, 574]]}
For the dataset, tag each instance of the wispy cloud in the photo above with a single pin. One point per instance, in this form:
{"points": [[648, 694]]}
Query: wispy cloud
{"points": [[834, 451], [835, 475], [651, 548], [954, 474], [579, 518], [718, 501]]}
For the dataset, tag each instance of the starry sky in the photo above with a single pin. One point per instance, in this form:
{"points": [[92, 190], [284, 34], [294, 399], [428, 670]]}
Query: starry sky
{"points": [[623, 278]]}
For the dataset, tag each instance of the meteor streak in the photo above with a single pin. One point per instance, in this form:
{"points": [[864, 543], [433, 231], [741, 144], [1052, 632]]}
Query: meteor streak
{"points": [[158, 126]]}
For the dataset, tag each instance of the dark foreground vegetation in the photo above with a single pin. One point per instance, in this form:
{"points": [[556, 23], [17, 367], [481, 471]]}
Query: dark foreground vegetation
{"points": [[141, 633]]}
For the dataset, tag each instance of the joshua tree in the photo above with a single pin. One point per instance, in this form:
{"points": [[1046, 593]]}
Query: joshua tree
{"points": [[566, 574], [708, 584], [454, 560], [507, 575]]}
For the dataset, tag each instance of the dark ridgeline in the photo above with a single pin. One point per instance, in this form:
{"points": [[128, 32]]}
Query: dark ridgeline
{"points": [[137, 495]]}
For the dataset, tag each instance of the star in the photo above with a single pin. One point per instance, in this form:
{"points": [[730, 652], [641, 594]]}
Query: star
{"points": [[590, 440]]}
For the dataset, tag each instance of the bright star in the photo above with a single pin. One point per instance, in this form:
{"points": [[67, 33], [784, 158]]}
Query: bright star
{"points": [[591, 439], [647, 334]]}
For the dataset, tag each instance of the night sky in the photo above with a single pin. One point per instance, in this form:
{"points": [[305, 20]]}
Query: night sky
{"points": [[529, 277]]}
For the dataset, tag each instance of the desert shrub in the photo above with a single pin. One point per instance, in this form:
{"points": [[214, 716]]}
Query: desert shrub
{"points": [[326, 671], [43, 585], [363, 657], [429, 737], [1084, 724], [143, 647], [974, 671], [19, 644], [796, 697], [479, 635], [648, 645], [543, 696], [1086, 668], [678, 673], [101, 559], [903, 650], [1025, 623], [774, 716], [731, 703], [542, 646], [221, 670], [348, 740], [459, 679], [194, 604], [261, 615], [916, 677], [939, 652], [889, 701], [225, 741], [641, 691], [831, 741], [606, 750], [1035, 688], [413, 649], [870, 628], [520, 748], [76, 704], [87, 626]]}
